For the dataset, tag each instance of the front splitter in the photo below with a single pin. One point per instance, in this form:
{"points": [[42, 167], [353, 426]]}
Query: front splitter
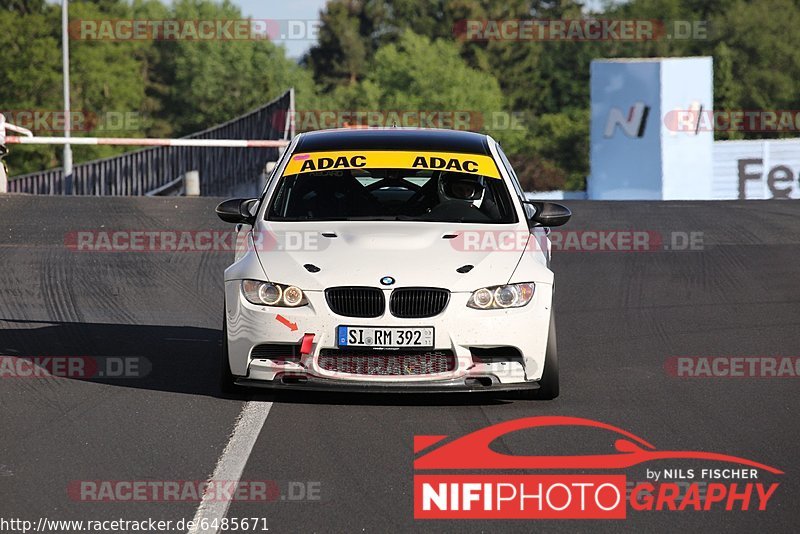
{"points": [[313, 383]]}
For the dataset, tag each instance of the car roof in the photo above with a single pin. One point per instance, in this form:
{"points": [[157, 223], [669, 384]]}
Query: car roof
{"points": [[422, 139]]}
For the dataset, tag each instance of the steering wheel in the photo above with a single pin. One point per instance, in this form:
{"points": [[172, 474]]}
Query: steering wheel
{"points": [[417, 198]]}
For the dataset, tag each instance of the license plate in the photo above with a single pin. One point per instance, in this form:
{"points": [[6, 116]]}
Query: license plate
{"points": [[367, 336]]}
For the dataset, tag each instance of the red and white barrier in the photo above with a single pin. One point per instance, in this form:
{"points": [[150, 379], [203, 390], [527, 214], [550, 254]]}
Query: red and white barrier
{"points": [[136, 141], [27, 138]]}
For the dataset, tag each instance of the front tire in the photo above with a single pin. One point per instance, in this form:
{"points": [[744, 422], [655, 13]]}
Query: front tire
{"points": [[226, 378], [548, 385]]}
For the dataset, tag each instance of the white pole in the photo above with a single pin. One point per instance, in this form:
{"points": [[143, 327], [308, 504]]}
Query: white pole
{"points": [[290, 126], [67, 118], [3, 177]]}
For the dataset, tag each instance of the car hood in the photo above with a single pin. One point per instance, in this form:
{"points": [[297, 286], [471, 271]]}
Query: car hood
{"points": [[362, 253]]}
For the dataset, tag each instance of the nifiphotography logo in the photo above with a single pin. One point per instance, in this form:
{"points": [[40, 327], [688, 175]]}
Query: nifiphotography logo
{"points": [[451, 480]]}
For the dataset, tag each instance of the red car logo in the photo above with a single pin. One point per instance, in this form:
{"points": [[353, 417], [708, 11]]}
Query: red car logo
{"points": [[473, 450]]}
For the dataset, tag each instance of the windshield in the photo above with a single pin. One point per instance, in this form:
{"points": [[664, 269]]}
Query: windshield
{"points": [[391, 194]]}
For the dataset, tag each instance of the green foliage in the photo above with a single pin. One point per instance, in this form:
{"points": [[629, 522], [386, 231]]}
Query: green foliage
{"points": [[752, 42], [417, 74], [168, 88], [209, 82], [105, 79], [727, 92], [341, 53], [563, 139], [28, 41], [761, 38]]}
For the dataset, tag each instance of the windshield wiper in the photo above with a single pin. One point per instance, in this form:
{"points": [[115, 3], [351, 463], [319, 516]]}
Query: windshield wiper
{"points": [[382, 218], [374, 218], [370, 218]]}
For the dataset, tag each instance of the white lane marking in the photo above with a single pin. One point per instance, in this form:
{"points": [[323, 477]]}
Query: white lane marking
{"points": [[231, 463]]}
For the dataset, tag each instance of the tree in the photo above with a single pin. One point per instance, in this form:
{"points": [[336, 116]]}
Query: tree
{"points": [[760, 39], [23, 7], [563, 139], [170, 88], [727, 92], [346, 42], [419, 74], [26, 37], [105, 77], [205, 82]]}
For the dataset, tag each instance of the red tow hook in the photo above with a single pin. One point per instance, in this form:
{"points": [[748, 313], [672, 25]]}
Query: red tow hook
{"points": [[305, 347]]}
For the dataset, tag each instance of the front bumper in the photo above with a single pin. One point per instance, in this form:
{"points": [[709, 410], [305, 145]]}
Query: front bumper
{"points": [[458, 329]]}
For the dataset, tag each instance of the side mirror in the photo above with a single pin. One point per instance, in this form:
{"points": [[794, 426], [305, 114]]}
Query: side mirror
{"points": [[237, 210], [549, 213]]}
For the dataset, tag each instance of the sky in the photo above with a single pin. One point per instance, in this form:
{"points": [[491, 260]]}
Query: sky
{"points": [[304, 10], [299, 10]]}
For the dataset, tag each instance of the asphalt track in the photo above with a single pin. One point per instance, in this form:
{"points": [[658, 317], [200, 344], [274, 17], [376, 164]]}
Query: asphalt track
{"points": [[620, 316]]}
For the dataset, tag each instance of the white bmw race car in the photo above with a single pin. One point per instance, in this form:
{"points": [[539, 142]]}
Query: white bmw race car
{"points": [[391, 260]]}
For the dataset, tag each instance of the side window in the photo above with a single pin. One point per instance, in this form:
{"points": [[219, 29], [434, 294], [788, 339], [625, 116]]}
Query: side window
{"points": [[283, 155], [510, 171], [514, 180]]}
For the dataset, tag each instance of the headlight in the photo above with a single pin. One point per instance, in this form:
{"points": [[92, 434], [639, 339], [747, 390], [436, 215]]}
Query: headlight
{"points": [[292, 296], [500, 297], [269, 294]]}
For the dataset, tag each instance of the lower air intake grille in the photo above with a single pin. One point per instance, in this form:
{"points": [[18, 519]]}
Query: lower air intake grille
{"points": [[356, 301], [274, 351], [387, 363]]}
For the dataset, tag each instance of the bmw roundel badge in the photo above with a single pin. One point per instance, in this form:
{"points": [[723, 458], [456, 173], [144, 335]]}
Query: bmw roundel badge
{"points": [[387, 280]]}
